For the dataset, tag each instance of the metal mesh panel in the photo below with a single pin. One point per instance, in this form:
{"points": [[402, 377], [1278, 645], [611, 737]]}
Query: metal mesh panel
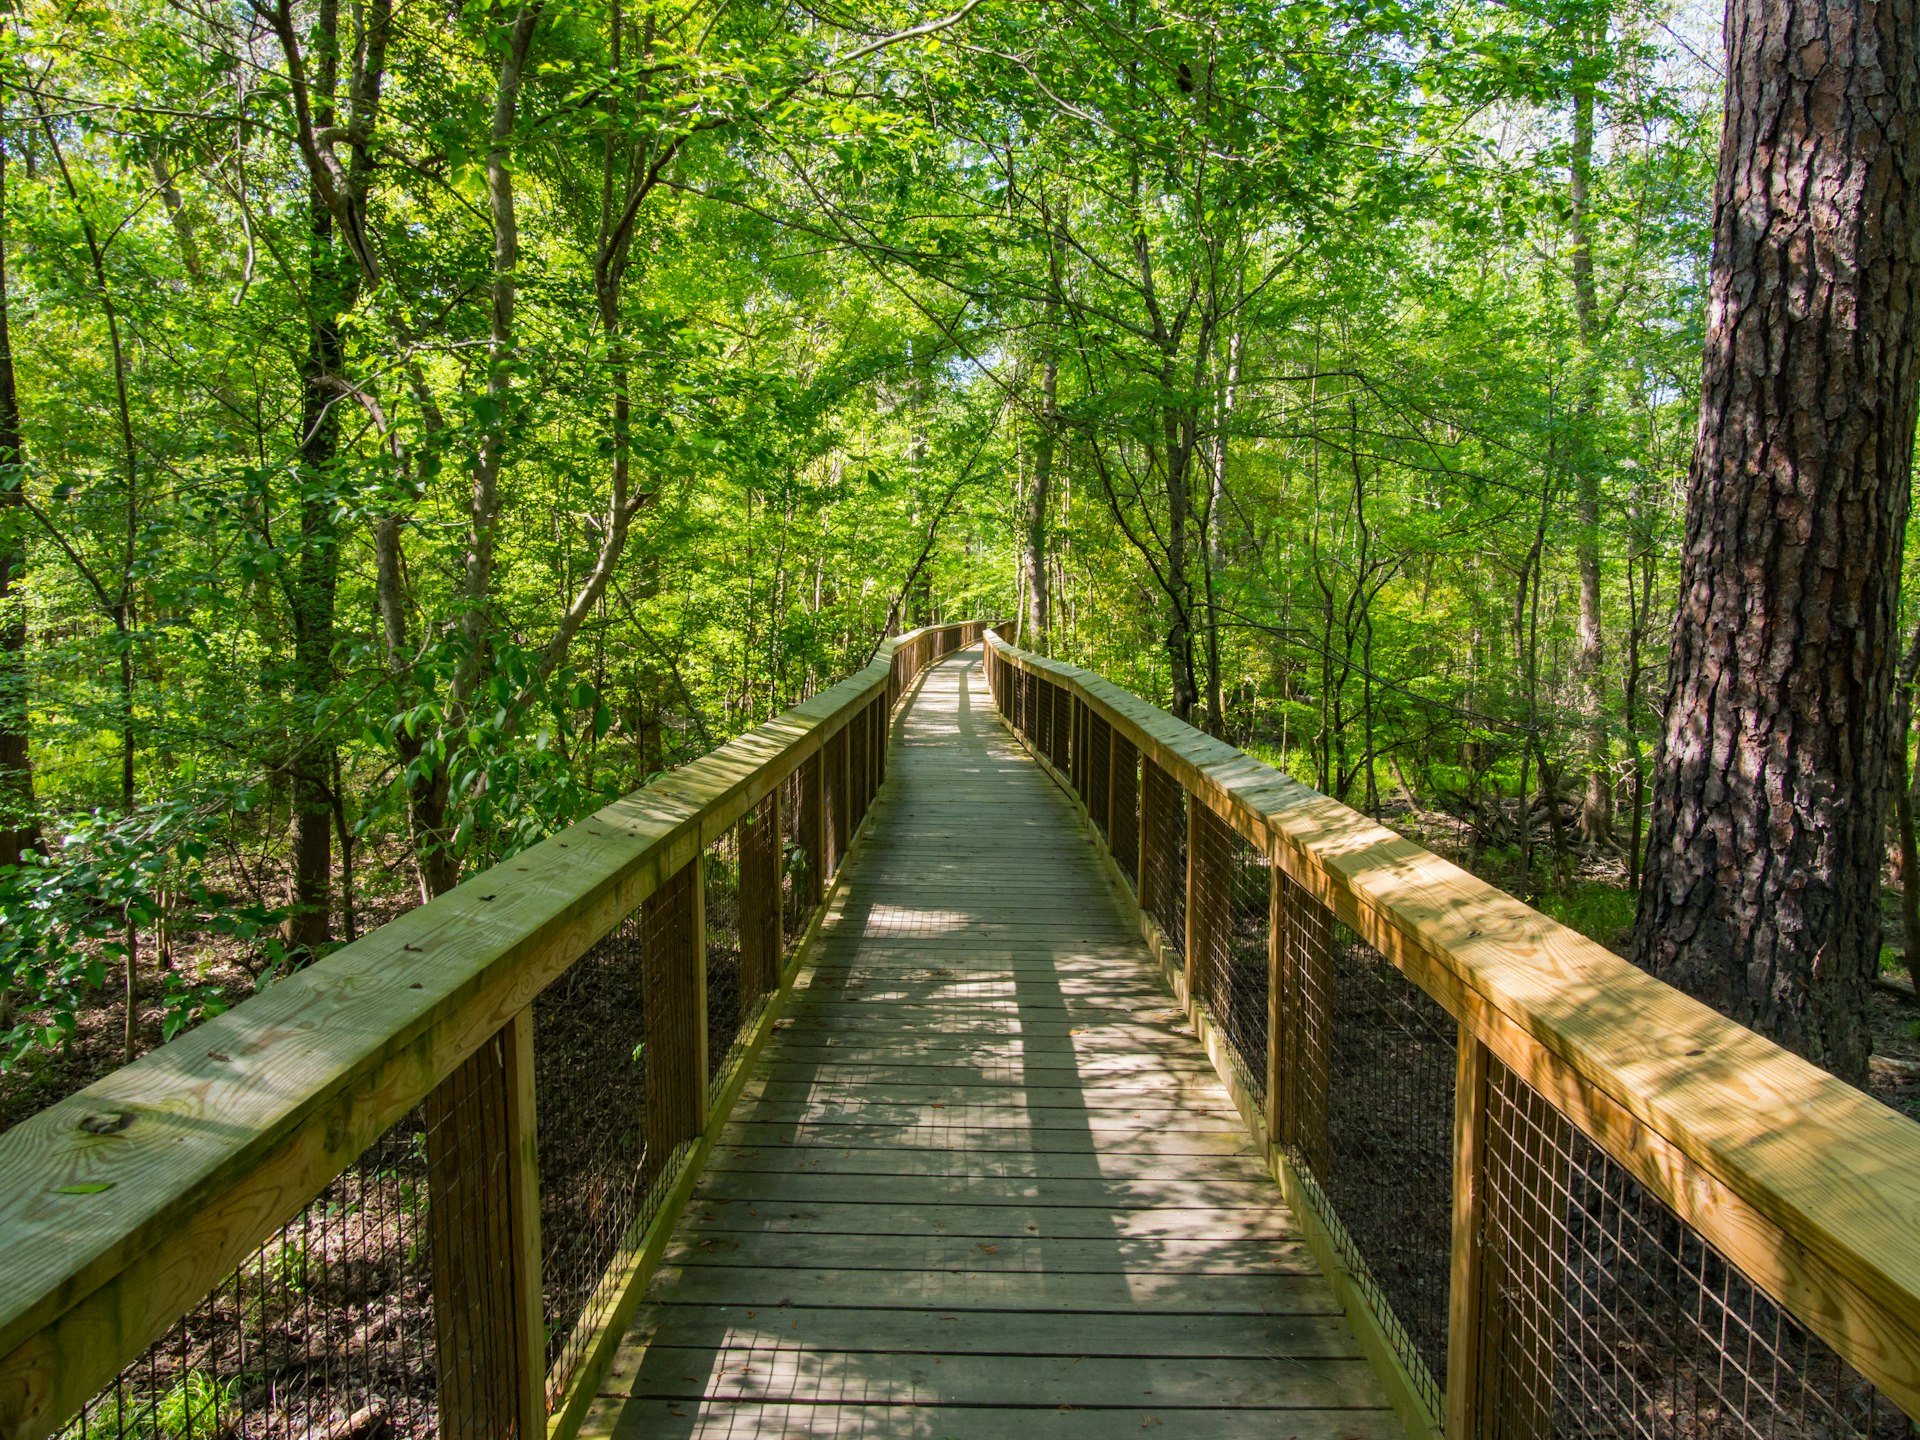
{"points": [[673, 959], [833, 799], [1125, 836], [469, 1150], [1061, 747], [590, 1091], [726, 1010], [1604, 1315], [330, 1319], [1368, 1119], [858, 777], [1083, 752], [1163, 881], [1099, 757], [1232, 891], [762, 900], [800, 871]]}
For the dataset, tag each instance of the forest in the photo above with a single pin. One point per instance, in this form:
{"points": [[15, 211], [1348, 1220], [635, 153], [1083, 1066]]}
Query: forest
{"points": [[421, 423]]}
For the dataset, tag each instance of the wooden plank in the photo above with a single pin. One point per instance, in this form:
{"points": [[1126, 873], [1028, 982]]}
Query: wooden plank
{"points": [[1115, 1194], [716, 1216], [478, 1318], [884, 1111], [1013, 1254], [994, 1140], [1032, 1332], [523, 1220], [771, 1375], [1150, 1292], [732, 1419], [1464, 1359]]}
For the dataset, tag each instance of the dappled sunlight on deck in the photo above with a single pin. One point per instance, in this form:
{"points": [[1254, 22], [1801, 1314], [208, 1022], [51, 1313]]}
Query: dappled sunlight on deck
{"points": [[984, 1180]]}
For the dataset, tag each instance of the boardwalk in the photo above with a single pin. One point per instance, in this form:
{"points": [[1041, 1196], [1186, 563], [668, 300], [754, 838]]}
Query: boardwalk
{"points": [[984, 1182]]}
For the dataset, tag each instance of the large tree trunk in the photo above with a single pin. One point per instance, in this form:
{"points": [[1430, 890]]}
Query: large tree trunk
{"points": [[18, 829], [1772, 779]]}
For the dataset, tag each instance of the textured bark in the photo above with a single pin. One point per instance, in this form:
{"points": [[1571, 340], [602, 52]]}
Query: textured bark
{"points": [[1773, 775], [315, 581], [1903, 810]]}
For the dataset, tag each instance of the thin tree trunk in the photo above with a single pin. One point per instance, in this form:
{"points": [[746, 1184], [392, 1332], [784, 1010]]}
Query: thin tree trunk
{"points": [[1216, 499], [332, 288], [1596, 814], [19, 830], [1039, 500], [1775, 766]]}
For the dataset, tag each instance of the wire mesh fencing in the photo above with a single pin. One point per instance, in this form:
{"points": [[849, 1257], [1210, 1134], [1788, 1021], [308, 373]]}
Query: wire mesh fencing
{"points": [[590, 1077], [1370, 1062], [675, 1076], [1098, 786], [1605, 1316], [1163, 861], [326, 1330], [1231, 901], [1124, 837], [1059, 737], [762, 902], [726, 1002], [833, 803], [800, 868]]}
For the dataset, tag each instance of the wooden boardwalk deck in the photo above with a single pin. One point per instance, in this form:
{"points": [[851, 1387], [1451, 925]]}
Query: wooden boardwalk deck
{"points": [[984, 1181]]}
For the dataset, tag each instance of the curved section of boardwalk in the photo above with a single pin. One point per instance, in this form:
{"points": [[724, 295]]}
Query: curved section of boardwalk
{"points": [[984, 1181]]}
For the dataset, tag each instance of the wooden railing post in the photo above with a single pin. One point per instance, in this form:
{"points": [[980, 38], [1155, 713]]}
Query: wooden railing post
{"points": [[1520, 1206], [1276, 1003], [1464, 1367], [483, 1219]]}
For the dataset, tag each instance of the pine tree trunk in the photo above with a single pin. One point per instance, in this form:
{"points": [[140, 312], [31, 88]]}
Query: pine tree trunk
{"points": [[1773, 775]]}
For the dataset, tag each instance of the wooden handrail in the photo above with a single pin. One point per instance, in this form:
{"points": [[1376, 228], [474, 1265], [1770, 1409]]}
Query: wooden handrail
{"points": [[1809, 1185], [123, 1205]]}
